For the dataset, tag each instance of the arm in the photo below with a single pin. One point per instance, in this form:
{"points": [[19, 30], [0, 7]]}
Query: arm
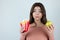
{"points": [[50, 32], [51, 37], [23, 34], [22, 37]]}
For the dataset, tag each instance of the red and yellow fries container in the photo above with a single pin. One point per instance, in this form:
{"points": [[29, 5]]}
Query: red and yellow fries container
{"points": [[25, 24]]}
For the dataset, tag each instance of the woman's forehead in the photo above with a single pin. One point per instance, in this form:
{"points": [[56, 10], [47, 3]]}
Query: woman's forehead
{"points": [[37, 8]]}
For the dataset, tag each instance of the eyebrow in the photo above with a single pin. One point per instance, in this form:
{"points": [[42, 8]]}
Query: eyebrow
{"points": [[38, 9]]}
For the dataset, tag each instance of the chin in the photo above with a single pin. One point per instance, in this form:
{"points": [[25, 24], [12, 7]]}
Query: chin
{"points": [[37, 19]]}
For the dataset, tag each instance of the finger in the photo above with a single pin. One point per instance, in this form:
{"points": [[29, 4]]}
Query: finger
{"points": [[52, 26], [49, 28], [22, 29]]}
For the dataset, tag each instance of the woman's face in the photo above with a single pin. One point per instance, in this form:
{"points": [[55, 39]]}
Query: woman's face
{"points": [[37, 15]]}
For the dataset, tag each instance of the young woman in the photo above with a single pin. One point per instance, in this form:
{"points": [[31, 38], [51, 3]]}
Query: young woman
{"points": [[37, 29]]}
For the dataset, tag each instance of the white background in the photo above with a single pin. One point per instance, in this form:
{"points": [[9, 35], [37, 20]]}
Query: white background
{"points": [[12, 12]]}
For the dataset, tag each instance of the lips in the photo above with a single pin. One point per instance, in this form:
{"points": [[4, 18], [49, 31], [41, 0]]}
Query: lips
{"points": [[37, 16]]}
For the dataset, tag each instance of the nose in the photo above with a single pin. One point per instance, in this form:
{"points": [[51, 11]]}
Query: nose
{"points": [[37, 13]]}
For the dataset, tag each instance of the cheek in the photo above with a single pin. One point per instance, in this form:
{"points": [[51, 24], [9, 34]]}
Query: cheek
{"points": [[40, 15], [34, 15]]}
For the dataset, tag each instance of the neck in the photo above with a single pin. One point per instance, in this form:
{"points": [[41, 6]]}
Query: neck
{"points": [[38, 23]]}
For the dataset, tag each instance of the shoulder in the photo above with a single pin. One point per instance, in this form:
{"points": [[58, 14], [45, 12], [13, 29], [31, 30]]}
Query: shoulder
{"points": [[44, 28], [32, 25]]}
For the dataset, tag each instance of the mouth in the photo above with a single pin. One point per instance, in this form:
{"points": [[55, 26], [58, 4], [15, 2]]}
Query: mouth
{"points": [[37, 16]]}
